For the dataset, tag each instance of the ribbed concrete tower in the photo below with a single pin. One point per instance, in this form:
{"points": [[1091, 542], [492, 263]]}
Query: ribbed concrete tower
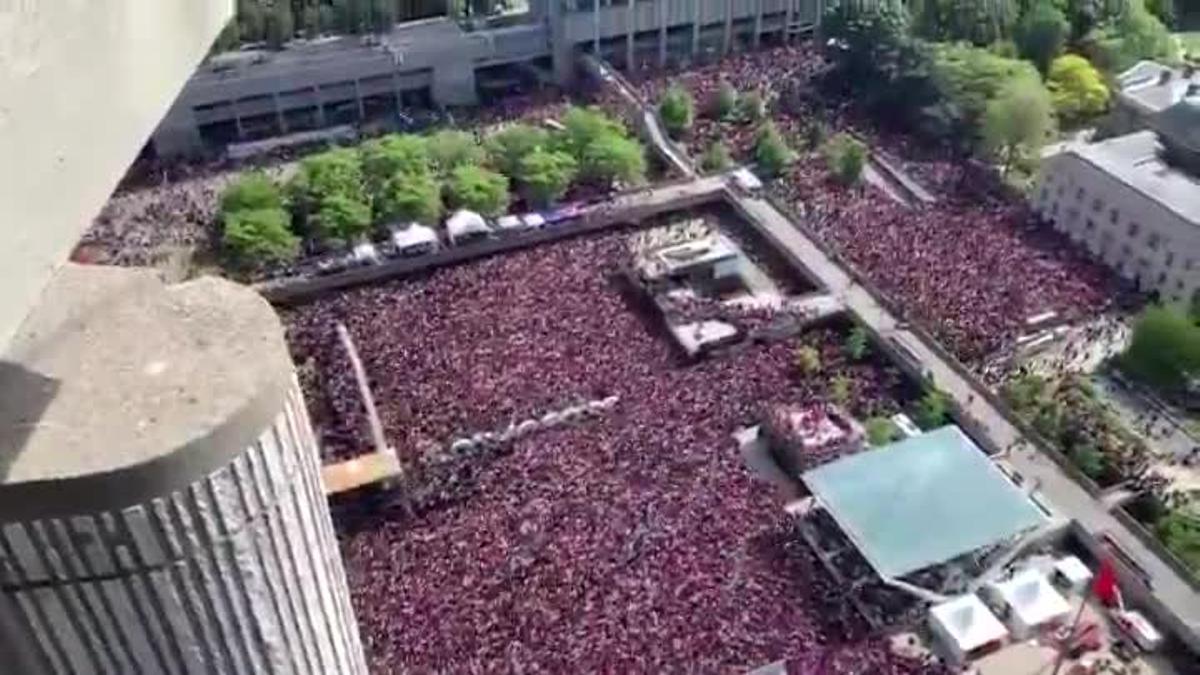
{"points": [[160, 501]]}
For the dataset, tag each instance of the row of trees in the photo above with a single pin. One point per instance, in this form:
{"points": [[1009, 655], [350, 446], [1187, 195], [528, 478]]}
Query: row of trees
{"points": [[277, 21], [985, 22], [1004, 98], [338, 196]]}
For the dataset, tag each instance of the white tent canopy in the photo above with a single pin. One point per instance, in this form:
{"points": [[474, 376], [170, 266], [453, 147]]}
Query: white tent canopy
{"points": [[965, 624], [1031, 600], [464, 223], [415, 236]]}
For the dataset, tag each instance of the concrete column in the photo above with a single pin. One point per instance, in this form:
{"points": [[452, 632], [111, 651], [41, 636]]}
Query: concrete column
{"points": [[664, 13], [454, 83], [727, 42], [237, 119], [787, 21], [319, 96], [562, 50], [164, 513], [358, 98], [630, 33], [279, 117], [596, 28], [697, 22], [758, 23]]}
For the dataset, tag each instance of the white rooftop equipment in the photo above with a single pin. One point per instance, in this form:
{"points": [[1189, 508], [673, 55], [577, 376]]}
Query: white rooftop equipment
{"points": [[510, 223], [416, 239], [464, 224], [533, 220], [713, 252], [1072, 574], [966, 627], [746, 179], [1031, 602], [701, 335], [364, 253]]}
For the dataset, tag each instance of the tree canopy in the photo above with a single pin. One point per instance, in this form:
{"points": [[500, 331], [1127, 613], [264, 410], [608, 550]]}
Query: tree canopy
{"points": [[250, 191], [716, 158], [970, 77], [725, 101], [771, 152], [1077, 88], [449, 149], [846, 157], [612, 158], [1165, 350], [546, 175], [980, 22], [677, 110], [384, 157], [410, 197], [1041, 33], [585, 125], [343, 219], [1017, 122], [478, 189], [507, 147], [256, 236]]}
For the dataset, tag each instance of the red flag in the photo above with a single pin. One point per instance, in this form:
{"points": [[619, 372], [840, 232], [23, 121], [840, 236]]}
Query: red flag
{"points": [[1104, 586]]}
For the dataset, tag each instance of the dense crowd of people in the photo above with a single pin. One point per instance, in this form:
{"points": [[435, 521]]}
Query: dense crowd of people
{"points": [[634, 541], [973, 266]]}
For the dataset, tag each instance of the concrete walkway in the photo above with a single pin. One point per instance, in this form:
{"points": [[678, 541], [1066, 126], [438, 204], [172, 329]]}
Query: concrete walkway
{"points": [[1071, 500]]}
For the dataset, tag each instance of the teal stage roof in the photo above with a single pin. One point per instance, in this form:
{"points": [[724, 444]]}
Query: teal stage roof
{"points": [[922, 501]]}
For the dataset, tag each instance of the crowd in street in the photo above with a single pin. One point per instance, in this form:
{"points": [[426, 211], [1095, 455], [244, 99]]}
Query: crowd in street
{"points": [[633, 541], [973, 266]]}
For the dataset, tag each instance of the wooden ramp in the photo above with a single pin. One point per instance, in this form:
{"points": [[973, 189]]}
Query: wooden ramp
{"points": [[370, 469]]}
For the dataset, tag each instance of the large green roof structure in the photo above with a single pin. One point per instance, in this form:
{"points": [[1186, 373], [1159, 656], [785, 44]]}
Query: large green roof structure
{"points": [[922, 501]]}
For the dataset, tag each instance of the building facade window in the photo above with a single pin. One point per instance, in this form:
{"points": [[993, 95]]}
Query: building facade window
{"points": [[1091, 225], [1134, 228], [1097, 204], [1045, 193], [1079, 194], [1153, 241], [1113, 215], [1170, 260]]}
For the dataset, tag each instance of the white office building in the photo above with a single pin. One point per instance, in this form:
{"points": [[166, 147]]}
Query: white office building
{"points": [[1134, 201]]}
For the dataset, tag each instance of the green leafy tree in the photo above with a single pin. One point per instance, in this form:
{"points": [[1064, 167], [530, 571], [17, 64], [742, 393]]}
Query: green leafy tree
{"points": [[807, 360], [343, 219], [613, 158], [1076, 88], [970, 77], [677, 110], [1164, 10], [450, 148], [546, 175], [384, 157], [771, 152], [259, 236], [752, 107], [1018, 121], [1165, 349], [327, 19], [869, 43], [725, 102], [1041, 34], [716, 158], [251, 191], [584, 126], [881, 431], [337, 172], [477, 189], [410, 197], [846, 157], [840, 389], [932, 411], [1179, 531], [281, 25], [507, 147], [1143, 35], [858, 344]]}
